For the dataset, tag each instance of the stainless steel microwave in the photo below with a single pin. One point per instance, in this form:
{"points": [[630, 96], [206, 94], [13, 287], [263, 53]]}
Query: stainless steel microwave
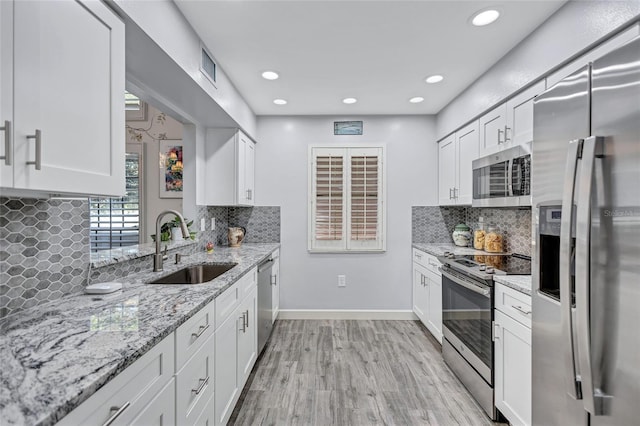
{"points": [[503, 179]]}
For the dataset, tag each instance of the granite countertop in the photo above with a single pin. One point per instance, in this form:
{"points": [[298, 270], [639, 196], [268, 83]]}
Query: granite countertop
{"points": [[438, 249], [55, 356], [521, 283]]}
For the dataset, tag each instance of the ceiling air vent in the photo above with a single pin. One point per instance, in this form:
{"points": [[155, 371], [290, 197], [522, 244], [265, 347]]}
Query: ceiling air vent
{"points": [[208, 66]]}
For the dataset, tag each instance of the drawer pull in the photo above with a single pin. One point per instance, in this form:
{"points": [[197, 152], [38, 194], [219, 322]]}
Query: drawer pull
{"points": [[519, 309], [38, 138], [201, 330], [244, 323], [203, 383], [419, 256], [7, 143], [117, 413], [247, 318]]}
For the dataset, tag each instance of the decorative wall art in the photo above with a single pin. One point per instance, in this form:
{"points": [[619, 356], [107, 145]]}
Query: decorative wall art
{"points": [[171, 167], [347, 127]]}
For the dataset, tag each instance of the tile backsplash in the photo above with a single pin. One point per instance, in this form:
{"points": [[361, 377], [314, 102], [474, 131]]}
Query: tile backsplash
{"points": [[44, 247], [44, 251], [434, 224]]}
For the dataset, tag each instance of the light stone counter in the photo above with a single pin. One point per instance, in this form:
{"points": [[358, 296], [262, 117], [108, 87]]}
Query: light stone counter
{"points": [[438, 249], [55, 356], [521, 283]]}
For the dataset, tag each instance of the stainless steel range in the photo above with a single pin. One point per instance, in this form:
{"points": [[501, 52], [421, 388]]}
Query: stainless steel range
{"points": [[467, 318]]}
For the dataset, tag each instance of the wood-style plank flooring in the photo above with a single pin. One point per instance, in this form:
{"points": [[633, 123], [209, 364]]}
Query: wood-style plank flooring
{"points": [[321, 372]]}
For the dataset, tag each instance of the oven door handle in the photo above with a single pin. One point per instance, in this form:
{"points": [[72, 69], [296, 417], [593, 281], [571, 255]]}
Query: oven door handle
{"points": [[485, 291]]}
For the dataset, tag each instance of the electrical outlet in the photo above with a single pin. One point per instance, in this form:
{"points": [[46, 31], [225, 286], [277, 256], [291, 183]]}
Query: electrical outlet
{"points": [[342, 280], [203, 226], [213, 223]]}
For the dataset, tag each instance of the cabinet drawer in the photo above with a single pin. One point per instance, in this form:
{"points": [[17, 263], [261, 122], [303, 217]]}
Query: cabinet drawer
{"points": [[513, 303], [247, 283], [191, 334], [134, 388], [226, 303], [194, 384], [420, 258]]}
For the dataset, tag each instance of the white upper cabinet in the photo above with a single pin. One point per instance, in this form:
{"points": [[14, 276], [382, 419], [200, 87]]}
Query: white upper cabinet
{"points": [[67, 73], [455, 155], [519, 128], [510, 123], [492, 127], [230, 168]]}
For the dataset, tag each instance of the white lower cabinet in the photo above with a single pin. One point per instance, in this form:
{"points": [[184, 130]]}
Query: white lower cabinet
{"points": [[194, 385], [247, 336], [124, 400], [161, 411], [226, 367], [512, 363], [427, 292]]}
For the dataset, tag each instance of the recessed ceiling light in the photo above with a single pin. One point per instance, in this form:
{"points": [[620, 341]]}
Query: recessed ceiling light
{"points": [[349, 100], [279, 102], [434, 79], [270, 75], [416, 100], [485, 17]]}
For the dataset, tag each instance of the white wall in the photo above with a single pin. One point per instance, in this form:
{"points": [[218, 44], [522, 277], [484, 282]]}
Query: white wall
{"points": [[153, 204], [574, 27], [374, 281], [164, 23]]}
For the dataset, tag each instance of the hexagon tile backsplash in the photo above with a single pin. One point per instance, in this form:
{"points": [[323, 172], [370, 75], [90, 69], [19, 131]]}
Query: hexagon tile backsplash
{"points": [[43, 250]]}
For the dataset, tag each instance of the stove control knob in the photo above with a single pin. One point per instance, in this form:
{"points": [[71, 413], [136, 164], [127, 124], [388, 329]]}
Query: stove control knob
{"points": [[482, 267], [490, 270]]}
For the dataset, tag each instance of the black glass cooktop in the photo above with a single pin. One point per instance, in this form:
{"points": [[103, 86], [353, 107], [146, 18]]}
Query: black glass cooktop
{"points": [[504, 264]]}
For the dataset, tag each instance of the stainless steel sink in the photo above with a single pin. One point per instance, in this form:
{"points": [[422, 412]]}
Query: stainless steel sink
{"points": [[196, 274]]}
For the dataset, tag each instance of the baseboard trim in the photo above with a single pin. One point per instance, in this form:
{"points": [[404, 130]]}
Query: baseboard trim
{"points": [[345, 314]]}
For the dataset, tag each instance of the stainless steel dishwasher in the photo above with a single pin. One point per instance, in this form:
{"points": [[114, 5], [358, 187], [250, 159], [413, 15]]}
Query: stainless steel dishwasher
{"points": [[265, 304]]}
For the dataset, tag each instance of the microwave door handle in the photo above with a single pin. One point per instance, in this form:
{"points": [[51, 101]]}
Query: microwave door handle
{"points": [[566, 227], [593, 399]]}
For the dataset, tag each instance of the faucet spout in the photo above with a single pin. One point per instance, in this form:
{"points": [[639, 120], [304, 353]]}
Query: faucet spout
{"points": [[157, 258]]}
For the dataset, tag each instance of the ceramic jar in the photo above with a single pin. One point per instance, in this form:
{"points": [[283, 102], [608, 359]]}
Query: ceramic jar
{"points": [[462, 235]]}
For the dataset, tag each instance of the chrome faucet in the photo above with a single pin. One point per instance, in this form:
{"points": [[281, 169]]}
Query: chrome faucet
{"points": [[158, 257]]}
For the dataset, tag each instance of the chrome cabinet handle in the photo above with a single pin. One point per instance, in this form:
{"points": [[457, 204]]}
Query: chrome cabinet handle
{"points": [[203, 383], [522, 311], [500, 132], [594, 399], [244, 323], [450, 192], [418, 255], [7, 142], [506, 134], [201, 330], [566, 224], [117, 413], [455, 193], [496, 331], [249, 194], [247, 318], [274, 280], [38, 137]]}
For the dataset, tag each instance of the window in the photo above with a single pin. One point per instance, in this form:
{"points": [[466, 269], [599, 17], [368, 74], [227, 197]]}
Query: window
{"points": [[115, 222], [346, 199], [208, 65]]}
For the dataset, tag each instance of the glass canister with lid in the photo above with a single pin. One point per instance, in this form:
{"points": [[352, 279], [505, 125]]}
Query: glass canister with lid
{"points": [[493, 239], [478, 236]]}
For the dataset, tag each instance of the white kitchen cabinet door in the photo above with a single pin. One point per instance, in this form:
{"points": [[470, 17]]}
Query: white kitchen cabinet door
{"points": [[6, 94], [447, 171], [229, 159], [161, 411], [434, 313], [420, 293], [513, 369], [226, 386], [194, 383], [492, 126], [247, 336], [467, 150], [275, 286], [69, 81], [519, 128]]}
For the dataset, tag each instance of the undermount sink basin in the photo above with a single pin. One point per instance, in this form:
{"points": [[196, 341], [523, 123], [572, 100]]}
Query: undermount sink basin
{"points": [[196, 274]]}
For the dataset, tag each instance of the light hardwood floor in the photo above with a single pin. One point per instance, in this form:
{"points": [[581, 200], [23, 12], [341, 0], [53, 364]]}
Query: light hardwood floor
{"points": [[317, 372]]}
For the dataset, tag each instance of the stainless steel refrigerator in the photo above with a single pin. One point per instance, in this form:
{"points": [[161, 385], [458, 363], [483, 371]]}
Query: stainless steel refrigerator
{"points": [[586, 271]]}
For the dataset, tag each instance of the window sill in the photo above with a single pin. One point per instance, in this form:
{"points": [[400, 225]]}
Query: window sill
{"points": [[122, 254]]}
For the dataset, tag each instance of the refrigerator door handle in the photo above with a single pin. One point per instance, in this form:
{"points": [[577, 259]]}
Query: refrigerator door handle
{"points": [[593, 399], [566, 228]]}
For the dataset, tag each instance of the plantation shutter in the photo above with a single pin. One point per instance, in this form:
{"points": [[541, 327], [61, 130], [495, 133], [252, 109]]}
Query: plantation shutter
{"points": [[346, 199]]}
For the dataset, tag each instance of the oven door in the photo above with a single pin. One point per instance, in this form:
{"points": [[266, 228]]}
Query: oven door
{"points": [[466, 319]]}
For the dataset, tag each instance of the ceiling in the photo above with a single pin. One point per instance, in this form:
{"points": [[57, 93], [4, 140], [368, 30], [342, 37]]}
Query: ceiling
{"points": [[379, 52]]}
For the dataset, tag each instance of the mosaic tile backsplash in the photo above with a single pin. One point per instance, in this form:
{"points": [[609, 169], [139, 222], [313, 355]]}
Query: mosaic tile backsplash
{"points": [[434, 224], [44, 247], [44, 251]]}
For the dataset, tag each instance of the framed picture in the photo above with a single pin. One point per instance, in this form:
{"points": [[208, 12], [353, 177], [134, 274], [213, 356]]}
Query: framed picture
{"points": [[136, 112], [347, 127], [171, 166]]}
